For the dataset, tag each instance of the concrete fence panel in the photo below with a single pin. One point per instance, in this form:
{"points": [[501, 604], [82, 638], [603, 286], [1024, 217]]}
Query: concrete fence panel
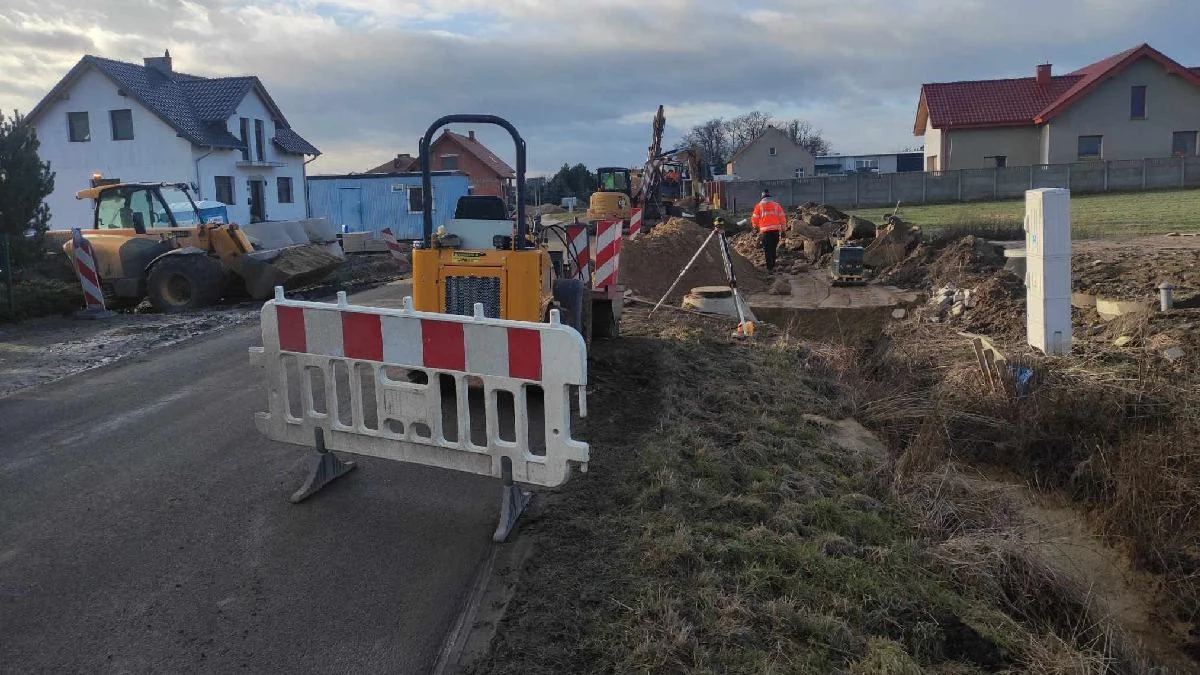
{"points": [[1191, 171], [1125, 174], [1087, 176], [1012, 182], [1050, 175], [942, 186], [908, 188], [978, 184], [874, 189], [1164, 172]]}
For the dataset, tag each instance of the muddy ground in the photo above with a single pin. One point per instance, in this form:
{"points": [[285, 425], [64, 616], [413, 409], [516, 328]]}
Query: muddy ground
{"points": [[40, 350]]}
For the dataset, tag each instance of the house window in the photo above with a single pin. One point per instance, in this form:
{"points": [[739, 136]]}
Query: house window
{"points": [[1183, 143], [1137, 102], [866, 164], [931, 163], [224, 189], [258, 140], [121, 122], [285, 189], [798, 173], [416, 201], [449, 162], [245, 129], [1001, 161], [77, 127], [773, 153], [1091, 147]]}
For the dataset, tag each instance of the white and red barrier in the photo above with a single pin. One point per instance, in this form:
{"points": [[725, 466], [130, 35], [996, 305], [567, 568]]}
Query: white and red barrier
{"points": [[358, 351], [580, 251], [84, 260], [607, 255], [394, 247], [635, 220]]}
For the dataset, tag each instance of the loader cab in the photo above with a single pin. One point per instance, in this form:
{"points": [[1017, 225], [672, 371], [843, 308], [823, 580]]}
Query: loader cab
{"points": [[141, 207], [614, 179]]}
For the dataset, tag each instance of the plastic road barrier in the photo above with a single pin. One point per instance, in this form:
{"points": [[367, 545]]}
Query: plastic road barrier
{"points": [[397, 383], [608, 253], [580, 251], [84, 261]]}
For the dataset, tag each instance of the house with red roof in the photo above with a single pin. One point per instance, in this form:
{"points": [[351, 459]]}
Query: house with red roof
{"points": [[488, 174], [1134, 105]]}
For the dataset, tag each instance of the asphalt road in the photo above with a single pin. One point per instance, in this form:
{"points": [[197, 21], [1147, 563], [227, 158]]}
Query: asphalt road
{"points": [[145, 527]]}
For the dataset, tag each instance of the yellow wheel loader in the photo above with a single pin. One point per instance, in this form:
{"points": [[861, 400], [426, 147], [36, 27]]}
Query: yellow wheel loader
{"points": [[495, 262], [143, 251]]}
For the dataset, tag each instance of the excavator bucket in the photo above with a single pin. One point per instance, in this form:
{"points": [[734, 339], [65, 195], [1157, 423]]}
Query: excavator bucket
{"points": [[290, 267]]}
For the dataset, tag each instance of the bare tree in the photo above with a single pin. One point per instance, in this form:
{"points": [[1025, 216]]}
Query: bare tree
{"points": [[806, 136], [745, 128], [711, 140]]}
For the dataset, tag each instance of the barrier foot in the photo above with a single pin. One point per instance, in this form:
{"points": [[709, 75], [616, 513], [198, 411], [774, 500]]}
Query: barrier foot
{"points": [[324, 468], [513, 501], [94, 313]]}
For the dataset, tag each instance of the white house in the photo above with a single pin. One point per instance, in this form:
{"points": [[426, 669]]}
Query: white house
{"points": [[223, 135]]}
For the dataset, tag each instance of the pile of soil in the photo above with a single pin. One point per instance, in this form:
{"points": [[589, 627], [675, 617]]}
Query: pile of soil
{"points": [[650, 264]]}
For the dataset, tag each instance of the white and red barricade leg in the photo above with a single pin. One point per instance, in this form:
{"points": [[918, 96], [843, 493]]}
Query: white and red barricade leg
{"points": [[635, 220], [84, 261], [579, 250], [395, 249], [607, 254]]}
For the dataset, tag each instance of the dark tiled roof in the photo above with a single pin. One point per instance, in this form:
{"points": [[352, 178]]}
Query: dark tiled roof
{"points": [[994, 103], [196, 107], [290, 141], [486, 156], [401, 162]]}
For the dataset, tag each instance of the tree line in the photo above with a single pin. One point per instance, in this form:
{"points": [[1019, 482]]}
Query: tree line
{"points": [[25, 181]]}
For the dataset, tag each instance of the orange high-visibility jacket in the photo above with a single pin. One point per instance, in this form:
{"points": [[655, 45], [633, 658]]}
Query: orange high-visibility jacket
{"points": [[768, 216]]}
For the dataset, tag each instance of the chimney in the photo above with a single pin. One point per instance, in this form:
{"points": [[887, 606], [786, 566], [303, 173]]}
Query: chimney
{"points": [[160, 63], [471, 134], [1043, 74]]}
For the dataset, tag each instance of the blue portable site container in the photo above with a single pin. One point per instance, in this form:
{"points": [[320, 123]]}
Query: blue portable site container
{"points": [[369, 202]]}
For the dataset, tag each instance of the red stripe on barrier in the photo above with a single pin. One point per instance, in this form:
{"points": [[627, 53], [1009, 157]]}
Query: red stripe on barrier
{"points": [[291, 329], [443, 345], [362, 336], [525, 353], [86, 273]]}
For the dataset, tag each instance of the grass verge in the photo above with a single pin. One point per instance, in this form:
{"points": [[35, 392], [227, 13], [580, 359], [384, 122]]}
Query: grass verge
{"points": [[722, 527], [1091, 215]]}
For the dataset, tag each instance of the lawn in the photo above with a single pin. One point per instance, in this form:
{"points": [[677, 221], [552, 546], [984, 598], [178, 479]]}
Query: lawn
{"points": [[1091, 215]]}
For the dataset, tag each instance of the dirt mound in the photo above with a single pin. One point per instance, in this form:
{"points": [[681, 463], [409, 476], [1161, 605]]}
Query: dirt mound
{"points": [[650, 264]]}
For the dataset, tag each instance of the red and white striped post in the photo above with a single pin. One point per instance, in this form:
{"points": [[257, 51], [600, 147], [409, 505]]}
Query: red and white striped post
{"points": [[635, 220], [580, 252], [395, 249], [84, 258], [608, 253]]}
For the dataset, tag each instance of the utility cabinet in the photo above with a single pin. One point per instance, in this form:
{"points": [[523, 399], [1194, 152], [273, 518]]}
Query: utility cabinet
{"points": [[1048, 269]]}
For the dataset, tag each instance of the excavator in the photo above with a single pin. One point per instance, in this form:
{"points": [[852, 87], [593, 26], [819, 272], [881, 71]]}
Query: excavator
{"points": [[144, 249], [663, 187]]}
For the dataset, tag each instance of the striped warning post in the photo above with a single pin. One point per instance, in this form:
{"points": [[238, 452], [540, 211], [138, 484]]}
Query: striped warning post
{"points": [[84, 258], [393, 246], [608, 253], [635, 220], [580, 252]]}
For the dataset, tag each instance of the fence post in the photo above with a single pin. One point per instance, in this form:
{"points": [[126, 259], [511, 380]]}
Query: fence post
{"points": [[1143, 173], [1106, 163], [824, 182], [1030, 176], [924, 190], [960, 173], [995, 183], [1068, 185], [857, 187], [1182, 171], [792, 193], [891, 180]]}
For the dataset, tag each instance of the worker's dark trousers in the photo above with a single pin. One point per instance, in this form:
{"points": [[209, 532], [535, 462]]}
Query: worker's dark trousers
{"points": [[770, 244]]}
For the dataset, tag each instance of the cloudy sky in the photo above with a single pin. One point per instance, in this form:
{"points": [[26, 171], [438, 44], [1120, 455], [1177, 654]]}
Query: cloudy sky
{"points": [[362, 79]]}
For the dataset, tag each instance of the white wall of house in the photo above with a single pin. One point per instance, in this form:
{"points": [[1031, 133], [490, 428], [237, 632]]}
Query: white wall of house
{"points": [[1172, 104], [933, 148], [230, 163], [757, 163], [156, 153]]}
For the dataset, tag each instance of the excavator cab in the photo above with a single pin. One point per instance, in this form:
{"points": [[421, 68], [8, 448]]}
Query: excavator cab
{"points": [[614, 195]]}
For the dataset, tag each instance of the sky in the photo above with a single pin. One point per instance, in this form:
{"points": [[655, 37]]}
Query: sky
{"points": [[362, 79]]}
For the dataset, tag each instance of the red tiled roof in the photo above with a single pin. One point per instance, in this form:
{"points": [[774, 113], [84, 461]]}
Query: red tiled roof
{"points": [[401, 162], [1019, 102], [486, 156]]}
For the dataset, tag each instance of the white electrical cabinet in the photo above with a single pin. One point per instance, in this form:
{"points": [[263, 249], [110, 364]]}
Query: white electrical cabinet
{"points": [[1048, 269]]}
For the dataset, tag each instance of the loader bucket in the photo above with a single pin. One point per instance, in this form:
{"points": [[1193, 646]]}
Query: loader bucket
{"points": [[290, 267]]}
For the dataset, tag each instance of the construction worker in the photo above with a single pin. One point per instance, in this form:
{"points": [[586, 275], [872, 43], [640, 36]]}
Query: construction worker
{"points": [[769, 219]]}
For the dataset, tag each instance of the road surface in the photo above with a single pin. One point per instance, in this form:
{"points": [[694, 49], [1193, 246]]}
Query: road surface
{"points": [[145, 527]]}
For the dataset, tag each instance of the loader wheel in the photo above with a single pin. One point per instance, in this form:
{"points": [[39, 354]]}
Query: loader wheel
{"points": [[180, 283], [576, 307]]}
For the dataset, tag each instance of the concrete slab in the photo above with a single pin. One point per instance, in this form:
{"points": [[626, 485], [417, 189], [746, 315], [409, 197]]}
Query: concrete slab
{"points": [[818, 310]]}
